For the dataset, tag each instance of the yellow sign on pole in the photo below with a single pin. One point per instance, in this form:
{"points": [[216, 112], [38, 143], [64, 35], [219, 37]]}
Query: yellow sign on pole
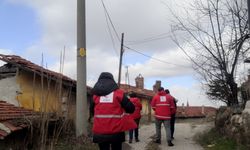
{"points": [[82, 52]]}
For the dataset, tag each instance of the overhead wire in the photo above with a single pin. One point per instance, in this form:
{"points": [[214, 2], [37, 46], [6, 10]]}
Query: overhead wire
{"points": [[159, 60], [149, 39], [109, 30], [110, 20]]}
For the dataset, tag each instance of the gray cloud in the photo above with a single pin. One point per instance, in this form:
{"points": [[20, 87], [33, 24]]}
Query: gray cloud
{"points": [[138, 19]]}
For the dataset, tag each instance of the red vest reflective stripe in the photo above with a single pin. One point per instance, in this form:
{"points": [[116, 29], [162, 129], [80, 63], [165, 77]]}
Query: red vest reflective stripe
{"points": [[138, 107], [109, 116], [161, 104]]}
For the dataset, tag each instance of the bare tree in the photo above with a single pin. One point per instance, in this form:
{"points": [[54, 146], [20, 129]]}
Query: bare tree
{"points": [[216, 31]]}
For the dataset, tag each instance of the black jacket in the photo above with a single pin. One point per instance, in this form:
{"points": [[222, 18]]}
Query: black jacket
{"points": [[104, 86]]}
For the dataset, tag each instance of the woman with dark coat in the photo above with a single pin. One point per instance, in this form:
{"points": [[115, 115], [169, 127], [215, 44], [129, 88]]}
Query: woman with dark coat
{"points": [[109, 107]]}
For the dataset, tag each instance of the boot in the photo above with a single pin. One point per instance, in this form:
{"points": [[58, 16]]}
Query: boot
{"points": [[170, 143], [130, 141], [137, 140], [158, 141]]}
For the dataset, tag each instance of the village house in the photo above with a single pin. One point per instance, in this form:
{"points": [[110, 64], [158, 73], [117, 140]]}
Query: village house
{"points": [[146, 96], [27, 85], [195, 111]]}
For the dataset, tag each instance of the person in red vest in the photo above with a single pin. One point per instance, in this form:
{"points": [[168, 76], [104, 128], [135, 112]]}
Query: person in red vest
{"points": [[162, 104], [172, 121], [136, 116], [110, 107]]}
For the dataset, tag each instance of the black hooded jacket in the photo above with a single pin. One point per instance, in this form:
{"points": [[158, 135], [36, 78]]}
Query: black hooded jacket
{"points": [[105, 85]]}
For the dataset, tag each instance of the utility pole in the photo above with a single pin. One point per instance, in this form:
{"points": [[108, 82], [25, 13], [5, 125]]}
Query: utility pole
{"points": [[127, 76], [81, 90], [248, 8], [120, 64]]}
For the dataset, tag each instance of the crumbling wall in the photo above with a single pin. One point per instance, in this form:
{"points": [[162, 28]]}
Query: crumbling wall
{"points": [[234, 124], [9, 90]]}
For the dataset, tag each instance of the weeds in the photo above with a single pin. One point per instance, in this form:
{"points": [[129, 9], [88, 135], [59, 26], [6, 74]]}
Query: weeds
{"points": [[212, 140]]}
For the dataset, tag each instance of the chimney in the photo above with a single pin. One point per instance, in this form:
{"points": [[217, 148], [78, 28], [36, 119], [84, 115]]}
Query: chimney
{"points": [[183, 109], [139, 82], [203, 109], [157, 85]]}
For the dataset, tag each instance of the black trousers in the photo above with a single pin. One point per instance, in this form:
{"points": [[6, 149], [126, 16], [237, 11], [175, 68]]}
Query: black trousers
{"points": [[172, 122], [136, 130], [113, 146]]}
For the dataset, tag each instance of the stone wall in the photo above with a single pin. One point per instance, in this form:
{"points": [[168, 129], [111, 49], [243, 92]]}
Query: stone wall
{"points": [[234, 124]]}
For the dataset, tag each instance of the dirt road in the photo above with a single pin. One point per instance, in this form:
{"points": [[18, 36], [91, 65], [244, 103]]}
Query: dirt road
{"points": [[183, 137]]}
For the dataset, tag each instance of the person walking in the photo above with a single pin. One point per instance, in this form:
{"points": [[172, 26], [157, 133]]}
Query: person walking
{"points": [[109, 107], [172, 120], [136, 116], [162, 104]]}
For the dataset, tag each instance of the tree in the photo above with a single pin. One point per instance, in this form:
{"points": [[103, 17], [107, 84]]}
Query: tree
{"points": [[216, 31]]}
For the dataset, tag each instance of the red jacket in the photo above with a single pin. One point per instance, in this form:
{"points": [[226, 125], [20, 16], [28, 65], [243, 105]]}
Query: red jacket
{"points": [[109, 116], [174, 108], [163, 105], [138, 108]]}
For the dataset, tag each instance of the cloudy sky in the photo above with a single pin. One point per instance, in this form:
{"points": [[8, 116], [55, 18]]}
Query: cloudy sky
{"points": [[32, 28]]}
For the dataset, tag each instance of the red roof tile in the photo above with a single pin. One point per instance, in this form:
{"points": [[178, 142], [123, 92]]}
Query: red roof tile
{"points": [[29, 66], [194, 111], [141, 92], [9, 111], [13, 118]]}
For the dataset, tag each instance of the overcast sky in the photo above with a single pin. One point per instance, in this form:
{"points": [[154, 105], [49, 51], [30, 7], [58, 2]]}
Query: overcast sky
{"points": [[30, 28]]}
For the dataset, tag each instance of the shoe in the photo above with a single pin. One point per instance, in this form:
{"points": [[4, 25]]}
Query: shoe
{"points": [[172, 138], [170, 143], [137, 140], [158, 141], [130, 141]]}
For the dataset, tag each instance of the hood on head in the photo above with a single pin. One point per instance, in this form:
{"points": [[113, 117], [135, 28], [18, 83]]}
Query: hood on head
{"points": [[105, 84]]}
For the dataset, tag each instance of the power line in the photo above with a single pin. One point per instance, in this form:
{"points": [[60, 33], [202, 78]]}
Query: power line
{"points": [[154, 58], [149, 39], [110, 20], [109, 30]]}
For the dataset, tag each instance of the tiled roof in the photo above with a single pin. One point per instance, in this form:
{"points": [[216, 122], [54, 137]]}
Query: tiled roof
{"points": [[194, 111], [29, 66], [145, 93], [13, 118]]}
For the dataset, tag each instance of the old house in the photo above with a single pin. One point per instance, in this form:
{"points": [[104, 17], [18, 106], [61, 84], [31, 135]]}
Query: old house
{"points": [[25, 84], [195, 111], [145, 95]]}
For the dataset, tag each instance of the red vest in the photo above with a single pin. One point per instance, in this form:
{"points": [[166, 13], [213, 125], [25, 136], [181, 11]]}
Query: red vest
{"points": [[161, 103], [109, 116], [138, 107], [174, 107]]}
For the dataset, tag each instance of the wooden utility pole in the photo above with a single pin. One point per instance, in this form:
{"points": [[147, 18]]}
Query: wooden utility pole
{"points": [[120, 63], [81, 90]]}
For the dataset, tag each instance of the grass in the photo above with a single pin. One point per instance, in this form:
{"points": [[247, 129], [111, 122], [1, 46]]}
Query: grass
{"points": [[75, 144], [212, 140]]}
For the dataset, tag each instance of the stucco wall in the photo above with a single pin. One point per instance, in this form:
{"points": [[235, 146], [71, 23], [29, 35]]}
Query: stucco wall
{"points": [[38, 96], [8, 90]]}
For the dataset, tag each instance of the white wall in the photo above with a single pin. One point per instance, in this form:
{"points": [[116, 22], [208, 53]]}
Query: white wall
{"points": [[8, 90]]}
